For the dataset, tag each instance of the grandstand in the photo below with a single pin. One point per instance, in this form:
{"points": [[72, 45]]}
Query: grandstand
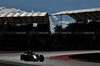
{"points": [[23, 31], [31, 31], [84, 33]]}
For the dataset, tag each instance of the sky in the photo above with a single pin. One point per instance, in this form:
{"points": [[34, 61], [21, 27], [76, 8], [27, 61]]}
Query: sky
{"points": [[50, 6]]}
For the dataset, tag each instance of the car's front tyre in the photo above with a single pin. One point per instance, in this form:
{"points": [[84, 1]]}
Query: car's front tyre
{"points": [[41, 58]]}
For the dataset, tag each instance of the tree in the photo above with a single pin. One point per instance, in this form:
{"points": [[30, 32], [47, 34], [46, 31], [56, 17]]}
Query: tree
{"points": [[58, 28]]}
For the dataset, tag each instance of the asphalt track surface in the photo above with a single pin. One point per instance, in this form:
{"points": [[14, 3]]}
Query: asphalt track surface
{"points": [[13, 58]]}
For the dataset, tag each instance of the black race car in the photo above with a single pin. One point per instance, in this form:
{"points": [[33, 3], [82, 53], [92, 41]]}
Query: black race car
{"points": [[31, 56]]}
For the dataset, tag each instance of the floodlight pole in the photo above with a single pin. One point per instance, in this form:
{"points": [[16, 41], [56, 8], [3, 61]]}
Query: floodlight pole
{"points": [[61, 22]]}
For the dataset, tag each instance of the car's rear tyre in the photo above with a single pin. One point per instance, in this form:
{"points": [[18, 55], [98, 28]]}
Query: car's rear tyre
{"points": [[41, 58], [22, 57]]}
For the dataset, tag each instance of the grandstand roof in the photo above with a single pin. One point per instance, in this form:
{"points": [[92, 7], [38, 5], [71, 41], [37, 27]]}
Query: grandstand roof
{"points": [[24, 18], [83, 14], [23, 14]]}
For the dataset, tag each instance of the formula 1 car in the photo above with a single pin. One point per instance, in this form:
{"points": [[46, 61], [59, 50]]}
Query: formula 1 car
{"points": [[31, 56]]}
